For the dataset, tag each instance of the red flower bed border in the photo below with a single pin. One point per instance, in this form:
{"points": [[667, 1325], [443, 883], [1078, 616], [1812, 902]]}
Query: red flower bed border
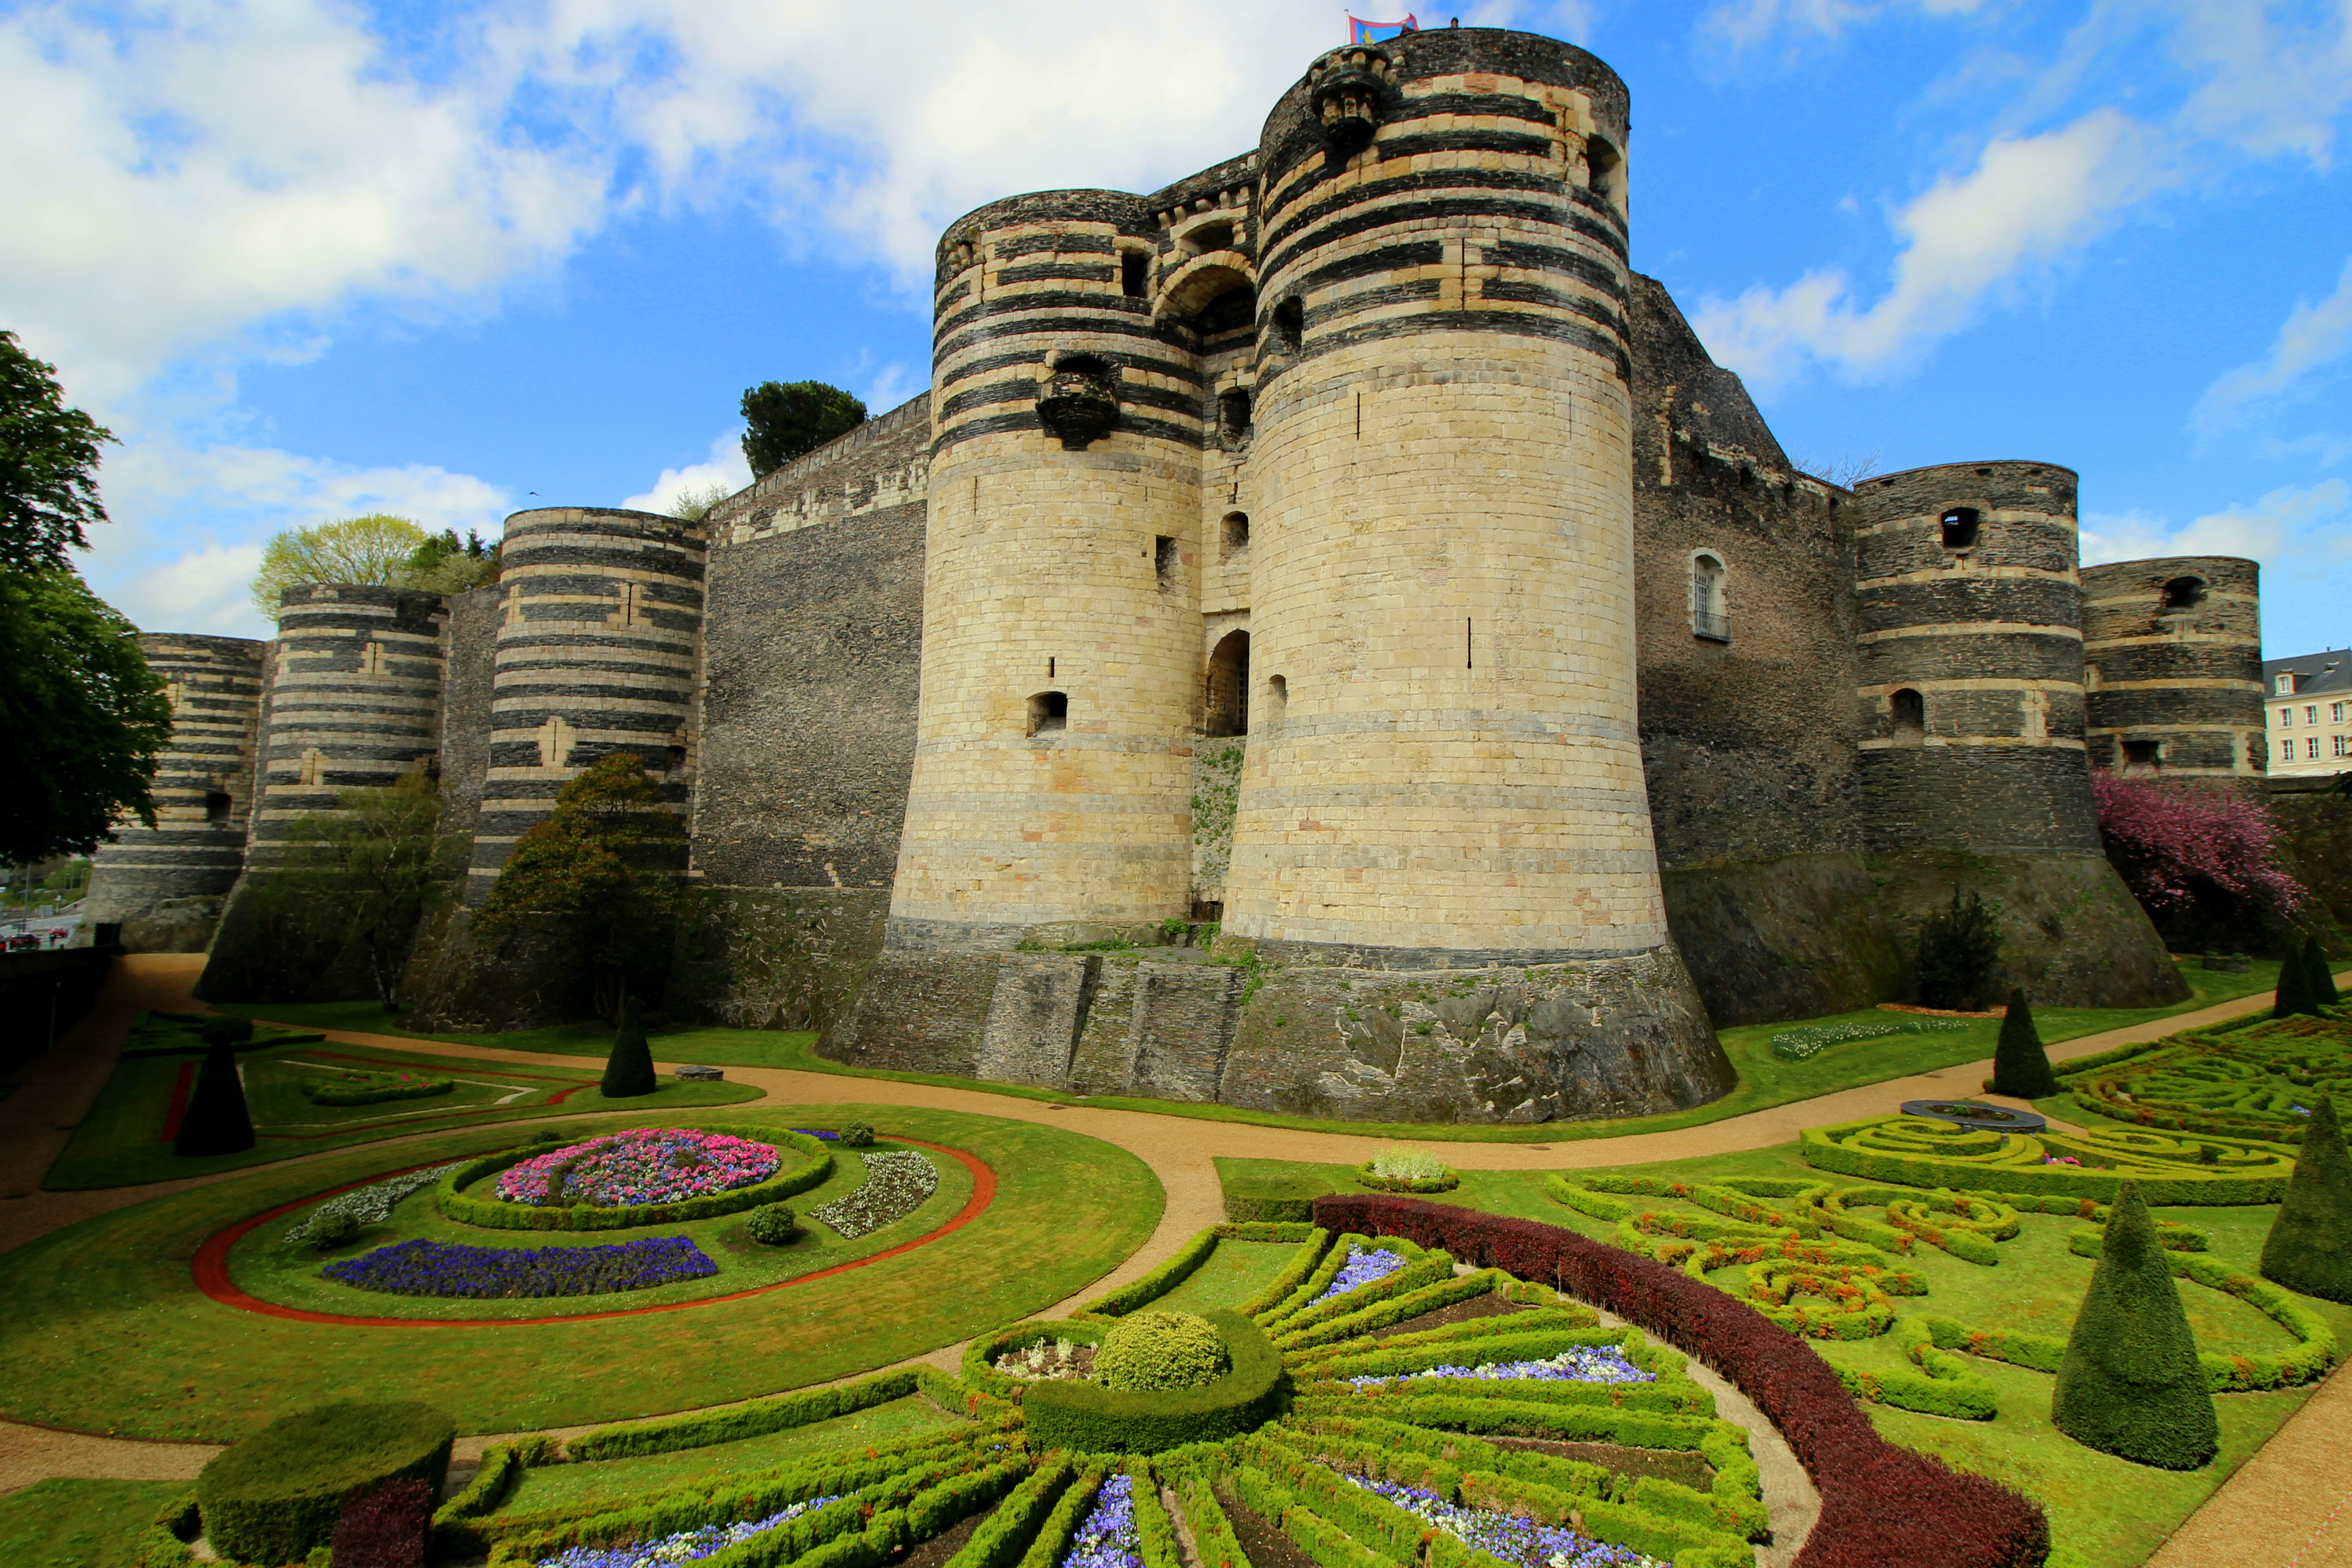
{"points": [[1882, 1505], [210, 1267]]}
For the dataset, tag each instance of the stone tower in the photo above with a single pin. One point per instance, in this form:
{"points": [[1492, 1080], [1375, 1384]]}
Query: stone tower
{"points": [[2174, 655]]}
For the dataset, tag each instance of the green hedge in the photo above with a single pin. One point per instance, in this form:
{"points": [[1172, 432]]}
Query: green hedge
{"points": [[495, 1214], [1366, 1177], [979, 1356], [1213, 1541], [1264, 1230], [1941, 1385], [1435, 1268], [1062, 1524], [1818, 1148], [1159, 1281], [1005, 1534], [753, 1418], [162, 1543], [1317, 1281], [1363, 1321], [1086, 1418], [329, 1092], [275, 1496], [1329, 1544], [1294, 1274], [1278, 1199], [887, 1531], [1570, 1317]]}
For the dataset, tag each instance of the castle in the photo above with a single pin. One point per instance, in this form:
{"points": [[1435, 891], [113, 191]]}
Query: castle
{"points": [[1341, 546]]}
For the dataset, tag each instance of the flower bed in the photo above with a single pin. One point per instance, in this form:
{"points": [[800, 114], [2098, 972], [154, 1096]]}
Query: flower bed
{"points": [[374, 1088], [686, 1546], [897, 1180], [641, 1166], [370, 1205], [1506, 1536], [1360, 1268], [1407, 1171], [1803, 1044], [1578, 1364], [1109, 1537], [442, 1268], [496, 1214]]}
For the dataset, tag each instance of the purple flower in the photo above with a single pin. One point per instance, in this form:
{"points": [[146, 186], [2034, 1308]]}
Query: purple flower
{"points": [[1361, 1269], [1520, 1542], [1109, 1539], [644, 1165], [1576, 1364], [687, 1546], [441, 1268]]}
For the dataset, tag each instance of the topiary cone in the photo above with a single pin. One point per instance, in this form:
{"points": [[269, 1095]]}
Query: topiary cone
{"points": [[629, 1070], [2293, 995], [216, 1121], [2319, 975], [2310, 1245], [2021, 1068], [2130, 1384]]}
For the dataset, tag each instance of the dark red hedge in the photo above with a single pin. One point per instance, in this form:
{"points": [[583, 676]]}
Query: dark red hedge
{"points": [[386, 1528], [1881, 1506]]}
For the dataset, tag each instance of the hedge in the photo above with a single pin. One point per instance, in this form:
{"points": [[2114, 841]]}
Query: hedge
{"points": [[1307, 1297], [1367, 1177], [979, 1364], [2314, 1351], [275, 1496], [331, 1093], [1439, 1294], [1127, 1298], [165, 1542], [1943, 1385], [2186, 1189], [1294, 1274], [1281, 1199], [1880, 1503], [1062, 1524], [1213, 1541], [1005, 1534], [387, 1528], [1264, 1230], [753, 1418], [1087, 1418], [1570, 1317], [1293, 1329], [1329, 1544], [494, 1214]]}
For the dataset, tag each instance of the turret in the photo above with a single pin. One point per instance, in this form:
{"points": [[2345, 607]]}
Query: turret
{"points": [[2174, 651]]}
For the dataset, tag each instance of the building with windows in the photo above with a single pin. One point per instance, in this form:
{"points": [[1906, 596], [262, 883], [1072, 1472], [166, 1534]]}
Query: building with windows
{"points": [[2308, 708]]}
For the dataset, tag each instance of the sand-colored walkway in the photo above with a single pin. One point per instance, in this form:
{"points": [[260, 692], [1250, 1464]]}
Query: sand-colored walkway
{"points": [[2301, 1475]]}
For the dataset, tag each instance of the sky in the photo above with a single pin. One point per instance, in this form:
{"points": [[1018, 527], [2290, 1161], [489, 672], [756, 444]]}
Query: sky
{"points": [[314, 258]]}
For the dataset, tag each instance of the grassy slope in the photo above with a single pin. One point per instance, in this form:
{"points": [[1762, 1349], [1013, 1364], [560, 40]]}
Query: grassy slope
{"points": [[107, 1332], [2104, 1512], [79, 1524], [1236, 1271], [120, 1142], [1764, 1081], [713, 1048]]}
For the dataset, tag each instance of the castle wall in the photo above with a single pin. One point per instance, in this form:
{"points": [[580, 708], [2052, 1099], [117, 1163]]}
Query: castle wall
{"points": [[2174, 651], [469, 677]]}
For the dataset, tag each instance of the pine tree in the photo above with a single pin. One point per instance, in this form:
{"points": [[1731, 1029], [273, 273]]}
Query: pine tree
{"points": [[2310, 1245], [2130, 1384], [2293, 995], [2319, 973], [2021, 1068], [215, 1122], [629, 1070]]}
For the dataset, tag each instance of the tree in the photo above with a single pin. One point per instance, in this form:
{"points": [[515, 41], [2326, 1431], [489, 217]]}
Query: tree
{"points": [[2130, 1384], [629, 1070], [49, 465], [81, 718], [2209, 857], [376, 548], [445, 564], [216, 1121], [2293, 993], [2309, 1247], [2319, 975], [1957, 949], [2021, 1066], [367, 867], [789, 418], [592, 870]]}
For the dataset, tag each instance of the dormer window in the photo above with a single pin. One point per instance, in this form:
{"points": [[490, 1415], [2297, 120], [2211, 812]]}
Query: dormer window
{"points": [[2285, 686]]}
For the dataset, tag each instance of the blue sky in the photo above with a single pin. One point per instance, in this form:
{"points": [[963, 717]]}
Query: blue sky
{"points": [[310, 258]]}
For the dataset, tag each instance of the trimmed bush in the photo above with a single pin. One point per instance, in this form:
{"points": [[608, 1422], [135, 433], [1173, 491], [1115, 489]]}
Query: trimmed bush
{"points": [[773, 1225], [857, 1136], [386, 1529], [1003, 1536], [492, 1214], [1154, 1352], [216, 1121], [629, 1070], [375, 1089], [2130, 1384], [1289, 1199], [2319, 976], [2293, 993], [2021, 1066], [2309, 1247], [225, 1031], [753, 1418], [1086, 1418], [334, 1228], [277, 1494], [1159, 1281]]}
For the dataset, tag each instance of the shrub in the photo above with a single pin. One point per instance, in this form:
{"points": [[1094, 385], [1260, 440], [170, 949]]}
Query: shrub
{"points": [[1396, 1170], [2309, 1247], [277, 1494], [386, 1528], [1282, 1198], [1957, 949], [225, 1031], [216, 1121], [773, 1225], [1087, 1418], [2293, 993], [629, 1070], [857, 1136], [1160, 1280], [374, 1088], [2319, 973], [2130, 1384], [1153, 1351], [334, 1228], [2021, 1066]]}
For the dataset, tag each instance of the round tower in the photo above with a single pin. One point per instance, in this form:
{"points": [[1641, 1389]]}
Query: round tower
{"points": [[203, 791], [596, 655], [2174, 655], [1060, 683], [1444, 766], [355, 700], [1971, 660]]}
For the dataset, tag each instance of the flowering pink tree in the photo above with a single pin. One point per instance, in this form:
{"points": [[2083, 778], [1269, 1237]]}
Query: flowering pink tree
{"points": [[2179, 843]]}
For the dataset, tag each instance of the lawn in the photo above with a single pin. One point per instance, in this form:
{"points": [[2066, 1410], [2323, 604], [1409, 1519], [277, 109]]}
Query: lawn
{"points": [[123, 1141], [706, 1046], [2104, 1512], [1234, 1272], [79, 1524], [106, 1331]]}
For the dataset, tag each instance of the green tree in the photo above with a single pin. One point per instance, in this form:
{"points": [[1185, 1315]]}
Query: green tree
{"points": [[81, 718], [444, 563], [2319, 975], [2130, 1384], [2293, 993], [2021, 1066], [49, 465], [2309, 1247], [366, 867], [216, 1121], [788, 418], [376, 548], [1958, 948], [601, 869], [629, 1070]]}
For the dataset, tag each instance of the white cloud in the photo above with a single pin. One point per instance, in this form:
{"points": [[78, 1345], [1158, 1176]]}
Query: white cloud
{"points": [[2313, 335], [2269, 87], [2030, 201], [2288, 525], [1742, 26], [725, 467]]}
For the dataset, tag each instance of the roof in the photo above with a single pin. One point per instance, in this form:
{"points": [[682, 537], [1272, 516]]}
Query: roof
{"points": [[2327, 670]]}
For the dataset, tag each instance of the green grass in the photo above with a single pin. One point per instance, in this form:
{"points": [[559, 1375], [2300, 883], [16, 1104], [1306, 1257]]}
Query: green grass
{"points": [[1236, 1271], [120, 1142], [2104, 1512], [106, 1330], [612, 1483], [79, 1524], [264, 1264], [709, 1048]]}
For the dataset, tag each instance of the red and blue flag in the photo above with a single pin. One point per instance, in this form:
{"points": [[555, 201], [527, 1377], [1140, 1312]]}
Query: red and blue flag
{"points": [[1363, 32]]}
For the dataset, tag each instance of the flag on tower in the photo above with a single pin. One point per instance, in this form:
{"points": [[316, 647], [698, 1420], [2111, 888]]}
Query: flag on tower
{"points": [[1362, 31]]}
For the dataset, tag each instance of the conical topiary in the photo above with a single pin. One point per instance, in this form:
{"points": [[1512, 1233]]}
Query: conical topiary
{"points": [[2130, 1384], [629, 1070], [2293, 995], [2021, 1068], [2310, 1245], [2319, 975], [215, 1122]]}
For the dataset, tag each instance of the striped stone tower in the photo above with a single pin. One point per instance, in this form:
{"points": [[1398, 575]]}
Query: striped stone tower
{"points": [[203, 791], [354, 701], [1971, 660], [2174, 655], [596, 655]]}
